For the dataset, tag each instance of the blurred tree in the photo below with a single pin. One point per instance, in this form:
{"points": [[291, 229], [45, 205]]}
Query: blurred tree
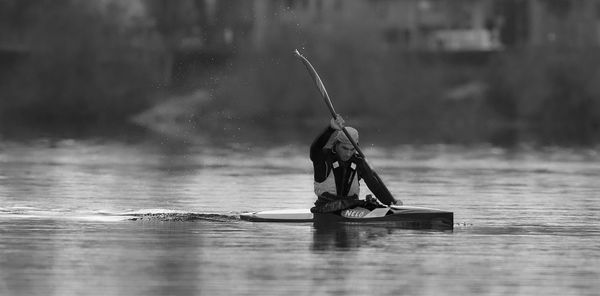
{"points": [[515, 20], [559, 8], [83, 67], [174, 21]]}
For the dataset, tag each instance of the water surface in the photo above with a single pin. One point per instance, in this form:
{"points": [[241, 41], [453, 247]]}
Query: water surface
{"points": [[527, 222]]}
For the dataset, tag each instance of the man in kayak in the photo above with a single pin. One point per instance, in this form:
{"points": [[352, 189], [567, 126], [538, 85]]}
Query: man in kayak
{"points": [[338, 170]]}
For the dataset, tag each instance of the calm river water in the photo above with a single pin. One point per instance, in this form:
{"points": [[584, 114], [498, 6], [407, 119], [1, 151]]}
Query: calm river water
{"points": [[527, 222]]}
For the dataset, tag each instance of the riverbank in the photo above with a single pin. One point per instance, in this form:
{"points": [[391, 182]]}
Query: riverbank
{"points": [[546, 98], [105, 74]]}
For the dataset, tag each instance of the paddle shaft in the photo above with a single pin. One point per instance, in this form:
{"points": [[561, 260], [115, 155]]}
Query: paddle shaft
{"points": [[313, 73], [325, 95]]}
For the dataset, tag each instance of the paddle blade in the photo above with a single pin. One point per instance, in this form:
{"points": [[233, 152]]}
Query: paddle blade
{"points": [[318, 82], [376, 185]]}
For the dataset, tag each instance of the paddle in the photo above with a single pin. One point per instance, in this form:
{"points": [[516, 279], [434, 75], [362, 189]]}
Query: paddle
{"points": [[385, 196]]}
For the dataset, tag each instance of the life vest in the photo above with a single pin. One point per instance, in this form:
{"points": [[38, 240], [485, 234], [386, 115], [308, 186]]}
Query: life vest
{"points": [[350, 186]]}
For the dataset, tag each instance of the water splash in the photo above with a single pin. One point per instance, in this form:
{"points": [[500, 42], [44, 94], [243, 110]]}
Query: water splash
{"points": [[161, 215]]}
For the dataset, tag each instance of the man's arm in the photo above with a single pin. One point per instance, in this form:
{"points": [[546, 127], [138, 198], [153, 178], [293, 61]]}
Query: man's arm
{"points": [[335, 124], [316, 147]]}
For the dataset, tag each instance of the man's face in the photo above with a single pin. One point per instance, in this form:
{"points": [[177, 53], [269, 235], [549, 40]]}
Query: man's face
{"points": [[345, 151]]}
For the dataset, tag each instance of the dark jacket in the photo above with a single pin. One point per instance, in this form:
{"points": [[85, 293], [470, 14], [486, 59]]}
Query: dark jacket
{"points": [[322, 159]]}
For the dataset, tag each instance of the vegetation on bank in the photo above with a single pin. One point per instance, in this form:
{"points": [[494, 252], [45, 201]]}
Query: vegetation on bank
{"points": [[94, 74], [82, 68], [548, 95], [554, 91]]}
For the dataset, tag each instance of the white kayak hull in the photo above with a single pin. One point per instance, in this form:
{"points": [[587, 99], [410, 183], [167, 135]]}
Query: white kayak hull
{"points": [[400, 216]]}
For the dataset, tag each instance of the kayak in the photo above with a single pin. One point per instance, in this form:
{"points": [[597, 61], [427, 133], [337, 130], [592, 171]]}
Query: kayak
{"points": [[409, 217]]}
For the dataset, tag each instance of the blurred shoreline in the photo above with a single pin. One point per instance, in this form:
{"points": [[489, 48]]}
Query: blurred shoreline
{"points": [[119, 68]]}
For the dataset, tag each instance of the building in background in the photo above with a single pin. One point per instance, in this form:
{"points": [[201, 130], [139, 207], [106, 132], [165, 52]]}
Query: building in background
{"points": [[416, 25], [450, 25], [219, 26]]}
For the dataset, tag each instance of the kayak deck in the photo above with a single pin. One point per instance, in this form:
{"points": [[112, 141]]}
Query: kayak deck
{"points": [[397, 216], [288, 215]]}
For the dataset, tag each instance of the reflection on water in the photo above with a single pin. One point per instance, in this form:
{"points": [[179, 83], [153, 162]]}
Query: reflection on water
{"points": [[341, 237], [110, 218]]}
